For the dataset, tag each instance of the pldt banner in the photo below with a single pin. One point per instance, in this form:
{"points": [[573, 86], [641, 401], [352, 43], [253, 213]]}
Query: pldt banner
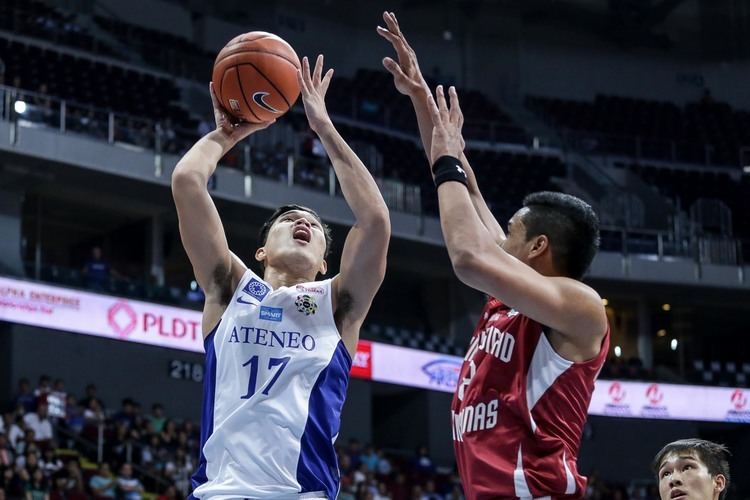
{"points": [[115, 318], [99, 315]]}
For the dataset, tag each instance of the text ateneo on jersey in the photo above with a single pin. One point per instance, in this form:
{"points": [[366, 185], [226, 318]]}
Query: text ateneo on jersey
{"points": [[481, 415], [271, 338]]}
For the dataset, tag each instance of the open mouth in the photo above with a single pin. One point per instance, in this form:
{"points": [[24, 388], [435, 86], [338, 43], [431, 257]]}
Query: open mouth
{"points": [[301, 233], [677, 494]]}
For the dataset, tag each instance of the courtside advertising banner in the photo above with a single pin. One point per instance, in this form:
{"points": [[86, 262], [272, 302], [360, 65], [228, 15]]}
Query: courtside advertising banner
{"points": [[99, 315], [127, 320]]}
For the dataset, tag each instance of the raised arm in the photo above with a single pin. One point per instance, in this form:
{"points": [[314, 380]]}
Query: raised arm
{"points": [[563, 304], [364, 256], [201, 230], [409, 81]]}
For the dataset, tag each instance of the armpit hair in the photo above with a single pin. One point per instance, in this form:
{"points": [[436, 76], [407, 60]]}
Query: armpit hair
{"points": [[344, 305], [223, 280]]}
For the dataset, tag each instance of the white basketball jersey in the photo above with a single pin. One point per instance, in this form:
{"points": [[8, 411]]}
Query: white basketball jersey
{"points": [[275, 382]]}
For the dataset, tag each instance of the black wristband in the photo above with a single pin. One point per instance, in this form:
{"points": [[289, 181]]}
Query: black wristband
{"points": [[448, 168]]}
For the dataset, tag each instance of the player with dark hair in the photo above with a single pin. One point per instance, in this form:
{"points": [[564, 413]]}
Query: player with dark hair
{"points": [[279, 347], [692, 468], [528, 376]]}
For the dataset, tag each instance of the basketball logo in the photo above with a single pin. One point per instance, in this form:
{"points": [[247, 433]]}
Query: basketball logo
{"points": [[306, 304], [235, 105]]}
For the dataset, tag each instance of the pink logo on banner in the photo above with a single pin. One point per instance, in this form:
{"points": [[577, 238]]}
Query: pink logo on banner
{"points": [[654, 395], [122, 318], [616, 392], [739, 400]]}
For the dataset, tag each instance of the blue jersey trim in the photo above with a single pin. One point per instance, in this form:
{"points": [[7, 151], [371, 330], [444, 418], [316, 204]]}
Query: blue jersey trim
{"points": [[207, 415], [317, 469]]}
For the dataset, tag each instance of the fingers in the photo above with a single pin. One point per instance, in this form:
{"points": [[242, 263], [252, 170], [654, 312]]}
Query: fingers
{"points": [[302, 86], [456, 115], [393, 67], [221, 118], [306, 70], [326, 82], [317, 73], [437, 120], [442, 105], [391, 22]]}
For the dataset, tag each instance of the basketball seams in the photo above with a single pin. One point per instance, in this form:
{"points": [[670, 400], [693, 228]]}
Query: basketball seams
{"points": [[267, 35], [242, 91], [267, 79], [260, 51]]}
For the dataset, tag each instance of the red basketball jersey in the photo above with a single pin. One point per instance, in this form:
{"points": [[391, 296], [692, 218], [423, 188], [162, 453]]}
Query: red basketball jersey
{"points": [[519, 410]]}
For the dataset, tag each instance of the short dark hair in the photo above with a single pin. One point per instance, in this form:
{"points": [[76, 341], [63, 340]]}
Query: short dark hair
{"points": [[714, 456], [263, 235], [571, 226]]}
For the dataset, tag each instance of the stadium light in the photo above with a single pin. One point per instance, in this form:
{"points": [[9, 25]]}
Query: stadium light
{"points": [[666, 307], [661, 333], [605, 302], [19, 107], [746, 169], [618, 351], [673, 344]]}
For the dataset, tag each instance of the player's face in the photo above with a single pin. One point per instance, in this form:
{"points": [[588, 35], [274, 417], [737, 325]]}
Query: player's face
{"points": [[683, 476], [296, 240]]}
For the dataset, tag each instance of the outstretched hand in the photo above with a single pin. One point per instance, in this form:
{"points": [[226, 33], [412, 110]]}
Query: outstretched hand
{"points": [[447, 122], [314, 87], [406, 73], [232, 129]]}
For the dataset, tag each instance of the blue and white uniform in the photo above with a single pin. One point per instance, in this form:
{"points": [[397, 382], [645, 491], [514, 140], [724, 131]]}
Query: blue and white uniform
{"points": [[275, 382]]}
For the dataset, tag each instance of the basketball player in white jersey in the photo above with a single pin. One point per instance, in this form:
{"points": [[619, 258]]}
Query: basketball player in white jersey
{"points": [[279, 347]]}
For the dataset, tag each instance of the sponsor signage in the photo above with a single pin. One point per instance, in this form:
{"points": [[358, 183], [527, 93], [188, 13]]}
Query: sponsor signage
{"points": [[670, 401], [121, 319], [415, 368]]}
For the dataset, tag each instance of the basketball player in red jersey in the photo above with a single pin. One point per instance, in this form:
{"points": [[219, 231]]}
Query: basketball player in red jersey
{"points": [[527, 378]]}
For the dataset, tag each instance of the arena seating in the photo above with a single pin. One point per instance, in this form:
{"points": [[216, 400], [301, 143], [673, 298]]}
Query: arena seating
{"points": [[36, 19], [703, 132], [685, 187], [721, 373], [163, 451]]}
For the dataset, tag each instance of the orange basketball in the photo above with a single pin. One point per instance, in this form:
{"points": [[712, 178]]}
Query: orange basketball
{"points": [[255, 77]]}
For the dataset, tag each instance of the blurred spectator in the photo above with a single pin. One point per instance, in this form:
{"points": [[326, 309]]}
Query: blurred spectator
{"points": [[382, 493], [168, 136], [179, 471], [38, 422], [74, 419], [400, 489], [97, 271], [384, 465], [103, 483], [44, 387], [13, 430], [25, 397], [2, 71], [170, 493], [370, 458], [430, 492], [130, 487], [423, 463], [6, 452], [126, 415], [37, 488], [157, 418], [90, 394], [168, 435], [66, 488], [50, 462]]}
